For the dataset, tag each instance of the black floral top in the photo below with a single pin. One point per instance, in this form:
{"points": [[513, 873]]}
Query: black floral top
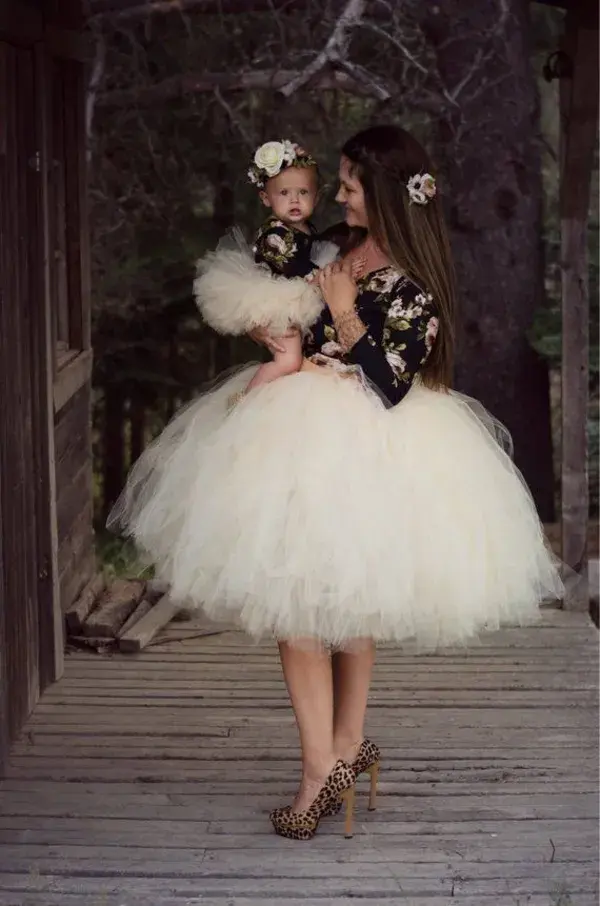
{"points": [[284, 249], [402, 324]]}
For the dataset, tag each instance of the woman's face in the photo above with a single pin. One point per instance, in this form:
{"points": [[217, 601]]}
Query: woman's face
{"points": [[351, 195]]}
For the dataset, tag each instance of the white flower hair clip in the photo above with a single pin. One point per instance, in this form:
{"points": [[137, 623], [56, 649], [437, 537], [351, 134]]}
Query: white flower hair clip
{"points": [[274, 157], [421, 188]]}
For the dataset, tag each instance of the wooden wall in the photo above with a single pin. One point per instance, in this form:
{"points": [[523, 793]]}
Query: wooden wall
{"points": [[20, 388], [76, 562], [46, 538]]}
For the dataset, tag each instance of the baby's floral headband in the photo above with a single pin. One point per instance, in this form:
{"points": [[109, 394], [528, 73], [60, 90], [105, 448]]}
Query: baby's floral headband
{"points": [[421, 188], [274, 157]]}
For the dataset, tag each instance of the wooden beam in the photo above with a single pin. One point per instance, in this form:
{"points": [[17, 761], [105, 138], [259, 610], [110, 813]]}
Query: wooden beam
{"points": [[123, 10], [20, 23], [51, 620], [579, 122], [70, 379]]}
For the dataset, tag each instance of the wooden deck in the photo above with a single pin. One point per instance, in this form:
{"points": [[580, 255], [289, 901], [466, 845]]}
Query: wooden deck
{"points": [[147, 781]]}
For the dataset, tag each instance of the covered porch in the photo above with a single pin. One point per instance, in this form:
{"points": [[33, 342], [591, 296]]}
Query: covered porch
{"points": [[147, 780]]}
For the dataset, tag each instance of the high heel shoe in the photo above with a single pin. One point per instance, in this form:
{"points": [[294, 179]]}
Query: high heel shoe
{"points": [[366, 762], [338, 787]]}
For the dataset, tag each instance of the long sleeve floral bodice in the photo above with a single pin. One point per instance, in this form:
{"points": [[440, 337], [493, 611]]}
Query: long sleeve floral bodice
{"points": [[285, 250], [401, 324]]}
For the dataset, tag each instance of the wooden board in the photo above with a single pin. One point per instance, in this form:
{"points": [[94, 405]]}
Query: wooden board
{"points": [[148, 779], [78, 613], [114, 607], [145, 629]]}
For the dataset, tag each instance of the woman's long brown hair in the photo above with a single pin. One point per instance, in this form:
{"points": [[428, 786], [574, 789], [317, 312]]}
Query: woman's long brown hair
{"points": [[413, 236]]}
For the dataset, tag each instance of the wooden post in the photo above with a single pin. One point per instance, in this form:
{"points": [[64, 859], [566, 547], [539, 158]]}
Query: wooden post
{"points": [[579, 123], [51, 620]]}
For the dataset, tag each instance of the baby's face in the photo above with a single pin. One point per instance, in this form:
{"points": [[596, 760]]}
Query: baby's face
{"points": [[292, 195]]}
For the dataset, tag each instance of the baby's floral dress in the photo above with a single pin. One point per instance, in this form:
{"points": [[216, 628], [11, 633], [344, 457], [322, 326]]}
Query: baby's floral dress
{"points": [[285, 250]]}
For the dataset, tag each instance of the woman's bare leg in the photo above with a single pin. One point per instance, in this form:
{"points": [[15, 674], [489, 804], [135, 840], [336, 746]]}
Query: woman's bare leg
{"points": [[351, 678], [309, 680]]}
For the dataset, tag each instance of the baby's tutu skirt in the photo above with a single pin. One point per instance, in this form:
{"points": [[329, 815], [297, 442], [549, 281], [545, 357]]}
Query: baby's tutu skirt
{"points": [[312, 510]]}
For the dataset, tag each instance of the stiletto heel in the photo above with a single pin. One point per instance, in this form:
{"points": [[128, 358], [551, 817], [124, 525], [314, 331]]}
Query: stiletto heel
{"points": [[366, 762], [303, 825], [374, 772], [349, 797]]}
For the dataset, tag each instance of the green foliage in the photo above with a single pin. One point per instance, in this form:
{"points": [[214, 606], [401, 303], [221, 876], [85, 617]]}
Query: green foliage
{"points": [[119, 558]]}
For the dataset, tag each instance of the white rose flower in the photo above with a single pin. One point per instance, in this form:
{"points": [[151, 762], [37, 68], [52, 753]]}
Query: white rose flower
{"points": [[269, 157], [276, 242], [289, 152], [331, 348], [396, 361], [413, 311], [396, 309]]}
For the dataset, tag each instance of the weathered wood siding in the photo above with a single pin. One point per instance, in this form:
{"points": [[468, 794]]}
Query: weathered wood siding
{"points": [[22, 568], [44, 408], [74, 495]]}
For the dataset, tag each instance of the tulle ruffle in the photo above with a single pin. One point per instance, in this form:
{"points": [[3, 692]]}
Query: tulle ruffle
{"points": [[312, 510]]}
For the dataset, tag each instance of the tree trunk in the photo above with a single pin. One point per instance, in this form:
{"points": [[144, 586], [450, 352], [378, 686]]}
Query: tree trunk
{"points": [[114, 445], [494, 197], [137, 422]]}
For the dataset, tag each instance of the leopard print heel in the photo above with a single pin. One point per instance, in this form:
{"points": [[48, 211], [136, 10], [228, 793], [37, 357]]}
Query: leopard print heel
{"points": [[339, 786], [366, 762]]}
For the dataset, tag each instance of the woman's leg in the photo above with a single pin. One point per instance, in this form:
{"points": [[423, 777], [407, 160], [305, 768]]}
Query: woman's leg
{"points": [[309, 680], [351, 678]]}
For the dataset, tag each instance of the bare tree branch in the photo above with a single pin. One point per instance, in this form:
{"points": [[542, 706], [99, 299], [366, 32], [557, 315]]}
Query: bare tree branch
{"points": [[362, 76], [388, 36], [235, 120], [482, 56], [95, 81], [335, 55], [268, 79]]}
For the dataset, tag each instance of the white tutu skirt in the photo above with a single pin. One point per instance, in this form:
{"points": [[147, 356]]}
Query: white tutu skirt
{"points": [[235, 296], [311, 510]]}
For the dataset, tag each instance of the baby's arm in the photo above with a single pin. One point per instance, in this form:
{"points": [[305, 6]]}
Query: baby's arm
{"points": [[277, 246]]}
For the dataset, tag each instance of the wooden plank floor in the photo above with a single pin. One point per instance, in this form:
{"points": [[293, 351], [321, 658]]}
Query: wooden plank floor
{"points": [[147, 781]]}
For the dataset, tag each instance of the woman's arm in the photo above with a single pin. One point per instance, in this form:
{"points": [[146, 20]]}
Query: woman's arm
{"points": [[392, 355], [393, 364]]}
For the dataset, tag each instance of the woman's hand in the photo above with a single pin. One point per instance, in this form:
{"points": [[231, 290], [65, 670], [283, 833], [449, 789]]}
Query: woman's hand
{"points": [[262, 336], [338, 287], [307, 365]]}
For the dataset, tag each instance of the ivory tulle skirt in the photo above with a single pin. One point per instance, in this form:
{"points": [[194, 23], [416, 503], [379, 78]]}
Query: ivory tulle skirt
{"points": [[312, 510]]}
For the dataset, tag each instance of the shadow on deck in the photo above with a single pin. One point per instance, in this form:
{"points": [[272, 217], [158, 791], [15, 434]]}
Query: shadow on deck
{"points": [[147, 781]]}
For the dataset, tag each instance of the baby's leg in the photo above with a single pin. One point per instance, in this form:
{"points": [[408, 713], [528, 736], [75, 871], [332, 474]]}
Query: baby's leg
{"points": [[287, 362]]}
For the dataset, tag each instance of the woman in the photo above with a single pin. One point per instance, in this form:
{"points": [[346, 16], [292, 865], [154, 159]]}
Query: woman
{"points": [[358, 500]]}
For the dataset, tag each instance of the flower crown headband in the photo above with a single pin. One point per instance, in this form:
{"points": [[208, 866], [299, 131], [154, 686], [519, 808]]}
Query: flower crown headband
{"points": [[273, 158], [421, 187]]}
